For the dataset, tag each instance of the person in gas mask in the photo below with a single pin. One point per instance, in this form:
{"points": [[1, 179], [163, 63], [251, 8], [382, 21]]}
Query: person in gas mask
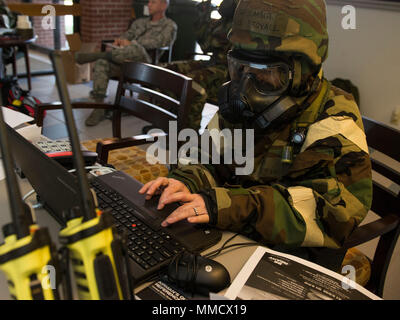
{"points": [[311, 185], [207, 75]]}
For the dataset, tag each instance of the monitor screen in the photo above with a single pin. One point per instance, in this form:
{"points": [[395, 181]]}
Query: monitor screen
{"points": [[55, 186]]}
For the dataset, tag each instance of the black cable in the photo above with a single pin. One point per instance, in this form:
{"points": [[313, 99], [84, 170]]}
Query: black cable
{"points": [[224, 244], [243, 244], [222, 247]]}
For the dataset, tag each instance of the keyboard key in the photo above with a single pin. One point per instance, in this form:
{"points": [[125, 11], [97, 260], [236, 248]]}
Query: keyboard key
{"points": [[144, 265], [171, 248], [105, 198], [152, 262], [145, 257], [165, 253], [167, 237], [158, 257]]}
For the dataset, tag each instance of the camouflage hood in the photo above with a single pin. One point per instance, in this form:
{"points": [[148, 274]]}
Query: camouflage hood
{"points": [[287, 26]]}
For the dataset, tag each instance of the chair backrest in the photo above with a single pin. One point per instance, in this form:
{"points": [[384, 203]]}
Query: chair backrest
{"points": [[383, 142], [157, 95]]}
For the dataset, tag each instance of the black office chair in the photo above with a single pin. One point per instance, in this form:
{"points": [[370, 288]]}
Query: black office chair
{"points": [[385, 203]]}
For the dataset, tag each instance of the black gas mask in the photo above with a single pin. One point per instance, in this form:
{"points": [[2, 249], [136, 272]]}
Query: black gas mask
{"points": [[258, 93]]}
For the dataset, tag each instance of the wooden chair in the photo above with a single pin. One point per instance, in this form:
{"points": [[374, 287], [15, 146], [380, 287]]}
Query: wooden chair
{"points": [[143, 80], [147, 103], [385, 203], [20, 50]]}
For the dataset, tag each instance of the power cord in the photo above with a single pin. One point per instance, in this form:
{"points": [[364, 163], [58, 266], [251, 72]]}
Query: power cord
{"points": [[215, 253]]}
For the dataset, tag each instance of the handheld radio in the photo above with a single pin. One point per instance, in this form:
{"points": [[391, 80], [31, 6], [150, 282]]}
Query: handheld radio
{"points": [[96, 251], [27, 253]]}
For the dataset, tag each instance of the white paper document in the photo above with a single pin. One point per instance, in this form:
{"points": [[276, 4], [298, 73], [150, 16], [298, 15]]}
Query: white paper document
{"points": [[15, 118], [271, 275], [207, 115]]}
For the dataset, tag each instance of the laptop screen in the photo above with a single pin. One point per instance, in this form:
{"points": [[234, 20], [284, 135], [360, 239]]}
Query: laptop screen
{"points": [[55, 186]]}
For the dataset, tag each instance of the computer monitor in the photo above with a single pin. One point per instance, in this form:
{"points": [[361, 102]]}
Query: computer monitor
{"points": [[57, 189]]}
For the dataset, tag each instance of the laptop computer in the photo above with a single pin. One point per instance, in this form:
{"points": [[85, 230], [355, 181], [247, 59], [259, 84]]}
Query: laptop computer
{"points": [[150, 246]]}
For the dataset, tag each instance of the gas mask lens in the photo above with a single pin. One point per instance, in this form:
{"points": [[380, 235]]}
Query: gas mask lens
{"points": [[270, 77]]}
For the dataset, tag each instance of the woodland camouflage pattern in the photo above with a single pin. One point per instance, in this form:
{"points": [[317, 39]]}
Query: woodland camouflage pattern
{"points": [[315, 202], [12, 21], [332, 175], [12, 16], [208, 76], [290, 26], [144, 34]]}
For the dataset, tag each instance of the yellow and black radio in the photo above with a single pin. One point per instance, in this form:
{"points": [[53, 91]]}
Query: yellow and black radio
{"points": [[30, 264], [27, 254], [98, 258]]}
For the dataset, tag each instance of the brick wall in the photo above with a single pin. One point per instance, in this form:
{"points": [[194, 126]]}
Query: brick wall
{"points": [[104, 19], [45, 37]]}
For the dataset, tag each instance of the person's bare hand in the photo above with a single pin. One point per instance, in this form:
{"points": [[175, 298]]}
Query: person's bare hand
{"points": [[117, 42], [124, 43], [193, 209], [164, 186]]}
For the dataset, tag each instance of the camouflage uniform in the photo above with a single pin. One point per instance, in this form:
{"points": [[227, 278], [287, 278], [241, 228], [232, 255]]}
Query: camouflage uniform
{"points": [[309, 207], [208, 76], [8, 19], [144, 34]]}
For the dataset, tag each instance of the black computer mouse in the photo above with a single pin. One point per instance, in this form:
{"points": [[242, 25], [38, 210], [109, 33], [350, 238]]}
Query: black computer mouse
{"points": [[197, 274]]}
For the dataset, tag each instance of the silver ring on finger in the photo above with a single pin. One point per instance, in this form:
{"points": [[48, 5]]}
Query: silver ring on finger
{"points": [[195, 211]]}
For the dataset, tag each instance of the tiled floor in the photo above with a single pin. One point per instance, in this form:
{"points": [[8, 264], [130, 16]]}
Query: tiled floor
{"points": [[44, 89]]}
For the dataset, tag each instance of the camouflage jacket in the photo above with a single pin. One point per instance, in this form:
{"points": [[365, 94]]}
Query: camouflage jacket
{"points": [[212, 35], [8, 19], [316, 201], [150, 34]]}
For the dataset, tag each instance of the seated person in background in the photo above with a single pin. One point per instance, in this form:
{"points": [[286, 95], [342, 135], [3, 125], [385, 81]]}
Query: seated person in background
{"points": [[311, 184], [145, 33], [208, 76], [8, 20]]}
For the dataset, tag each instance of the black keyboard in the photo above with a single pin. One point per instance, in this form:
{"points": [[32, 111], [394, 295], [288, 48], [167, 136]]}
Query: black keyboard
{"points": [[150, 249]]}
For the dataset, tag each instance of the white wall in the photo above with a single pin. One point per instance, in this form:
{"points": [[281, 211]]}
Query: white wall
{"points": [[369, 56]]}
